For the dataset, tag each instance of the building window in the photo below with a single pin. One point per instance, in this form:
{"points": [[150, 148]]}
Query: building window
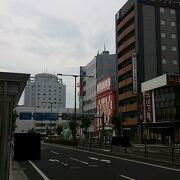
{"points": [[173, 36], [173, 24], [163, 48], [163, 22], [172, 11], [162, 10], [175, 62], [163, 35], [163, 61], [174, 48]]}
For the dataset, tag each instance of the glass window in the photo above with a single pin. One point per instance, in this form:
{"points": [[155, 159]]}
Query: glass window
{"points": [[173, 23], [163, 61], [173, 36], [162, 10], [174, 48], [163, 48], [163, 22], [172, 11], [175, 62], [163, 35]]}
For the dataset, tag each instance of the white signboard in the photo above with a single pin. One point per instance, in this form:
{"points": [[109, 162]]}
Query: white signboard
{"points": [[134, 63]]}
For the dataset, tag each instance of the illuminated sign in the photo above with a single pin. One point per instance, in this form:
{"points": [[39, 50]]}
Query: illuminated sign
{"points": [[25, 116], [170, 2], [173, 80], [45, 116], [148, 106], [104, 85], [134, 63]]}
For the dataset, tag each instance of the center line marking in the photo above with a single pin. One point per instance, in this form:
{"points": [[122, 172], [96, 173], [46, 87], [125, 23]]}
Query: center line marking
{"points": [[93, 158], [54, 152], [126, 177], [79, 161]]}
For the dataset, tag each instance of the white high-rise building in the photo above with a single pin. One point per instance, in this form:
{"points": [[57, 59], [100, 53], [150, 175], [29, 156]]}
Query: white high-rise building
{"points": [[45, 91]]}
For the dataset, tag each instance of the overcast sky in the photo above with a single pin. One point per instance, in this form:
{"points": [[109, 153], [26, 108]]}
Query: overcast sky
{"points": [[56, 36]]}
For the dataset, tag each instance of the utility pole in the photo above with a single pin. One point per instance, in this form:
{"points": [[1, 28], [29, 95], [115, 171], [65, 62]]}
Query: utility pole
{"points": [[75, 82]]}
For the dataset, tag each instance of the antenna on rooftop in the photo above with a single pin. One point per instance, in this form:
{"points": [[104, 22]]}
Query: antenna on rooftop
{"points": [[104, 47]]}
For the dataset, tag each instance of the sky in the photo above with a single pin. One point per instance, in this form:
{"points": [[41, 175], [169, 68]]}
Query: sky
{"points": [[55, 36]]}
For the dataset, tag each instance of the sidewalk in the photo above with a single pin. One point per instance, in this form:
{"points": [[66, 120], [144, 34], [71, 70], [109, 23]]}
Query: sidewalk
{"points": [[17, 172]]}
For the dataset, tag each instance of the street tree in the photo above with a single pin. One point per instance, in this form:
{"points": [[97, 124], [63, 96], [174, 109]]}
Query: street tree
{"points": [[59, 130], [85, 123], [73, 126], [117, 120]]}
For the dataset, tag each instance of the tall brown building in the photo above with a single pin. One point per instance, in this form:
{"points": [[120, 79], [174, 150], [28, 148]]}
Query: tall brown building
{"points": [[147, 46]]}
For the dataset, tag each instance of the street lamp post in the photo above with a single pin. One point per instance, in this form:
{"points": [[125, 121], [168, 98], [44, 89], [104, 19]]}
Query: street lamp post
{"points": [[75, 81]]}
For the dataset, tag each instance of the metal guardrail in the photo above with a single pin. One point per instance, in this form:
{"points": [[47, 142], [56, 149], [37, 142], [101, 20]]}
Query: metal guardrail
{"points": [[162, 153]]}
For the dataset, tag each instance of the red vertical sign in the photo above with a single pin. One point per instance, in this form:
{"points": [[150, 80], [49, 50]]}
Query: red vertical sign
{"points": [[148, 106]]}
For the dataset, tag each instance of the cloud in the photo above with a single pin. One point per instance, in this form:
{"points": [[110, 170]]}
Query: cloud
{"points": [[59, 28], [58, 35]]}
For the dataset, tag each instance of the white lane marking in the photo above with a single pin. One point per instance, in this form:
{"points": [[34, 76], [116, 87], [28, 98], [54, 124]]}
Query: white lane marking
{"points": [[93, 158], [39, 171], [54, 152], [54, 160], [126, 177], [115, 157], [104, 160], [79, 161], [105, 150], [64, 164]]}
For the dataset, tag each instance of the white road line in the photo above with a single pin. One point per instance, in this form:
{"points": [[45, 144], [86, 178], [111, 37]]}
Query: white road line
{"points": [[115, 157], [79, 161], [54, 160], [39, 171], [54, 152], [105, 150], [93, 158], [104, 160], [126, 177]]}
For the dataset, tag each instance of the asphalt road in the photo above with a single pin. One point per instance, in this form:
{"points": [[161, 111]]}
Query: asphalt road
{"points": [[64, 163]]}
